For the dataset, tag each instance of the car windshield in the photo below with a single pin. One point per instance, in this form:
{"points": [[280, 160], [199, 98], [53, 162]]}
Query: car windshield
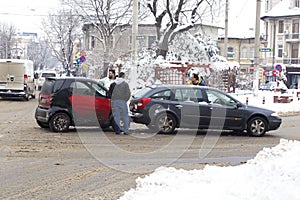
{"points": [[216, 97]]}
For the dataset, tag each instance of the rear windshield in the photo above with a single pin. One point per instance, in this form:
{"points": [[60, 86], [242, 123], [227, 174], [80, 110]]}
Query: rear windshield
{"points": [[47, 86], [141, 92], [48, 75], [52, 85]]}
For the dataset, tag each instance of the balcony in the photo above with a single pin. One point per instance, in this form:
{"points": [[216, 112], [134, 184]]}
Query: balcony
{"points": [[291, 61], [292, 37]]}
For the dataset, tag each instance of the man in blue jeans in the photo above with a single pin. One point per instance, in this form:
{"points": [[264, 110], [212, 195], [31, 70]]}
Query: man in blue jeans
{"points": [[119, 93]]}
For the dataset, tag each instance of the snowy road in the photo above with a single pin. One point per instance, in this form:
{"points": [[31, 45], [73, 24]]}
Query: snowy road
{"points": [[39, 164]]}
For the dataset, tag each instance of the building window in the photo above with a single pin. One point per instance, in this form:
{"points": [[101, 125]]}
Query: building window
{"points": [[252, 53], [297, 3], [280, 26], [93, 41], [151, 40], [280, 50], [295, 29], [295, 52], [244, 52], [230, 52]]}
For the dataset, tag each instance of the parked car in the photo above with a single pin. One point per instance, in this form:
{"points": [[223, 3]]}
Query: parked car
{"points": [[71, 101], [164, 108], [43, 76], [274, 86]]}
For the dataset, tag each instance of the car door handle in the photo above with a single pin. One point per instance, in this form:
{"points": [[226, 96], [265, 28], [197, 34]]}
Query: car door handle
{"points": [[179, 106]]}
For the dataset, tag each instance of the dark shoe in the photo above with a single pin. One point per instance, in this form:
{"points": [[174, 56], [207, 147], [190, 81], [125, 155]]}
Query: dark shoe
{"points": [[117, 133]]}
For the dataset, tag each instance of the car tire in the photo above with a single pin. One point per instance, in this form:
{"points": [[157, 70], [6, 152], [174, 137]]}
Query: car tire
{"points": [[257, 126], [26, 96], [60, 122], [33, 95], [165, 123], [42, 125]]}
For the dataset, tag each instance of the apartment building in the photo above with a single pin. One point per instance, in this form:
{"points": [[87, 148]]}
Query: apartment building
{"points": [[121, 41], [241, 50], [283, 37]]}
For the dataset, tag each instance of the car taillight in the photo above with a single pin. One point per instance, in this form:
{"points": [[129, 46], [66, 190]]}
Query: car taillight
{"points": [[25, 79], [142, 103], [45, 100]]}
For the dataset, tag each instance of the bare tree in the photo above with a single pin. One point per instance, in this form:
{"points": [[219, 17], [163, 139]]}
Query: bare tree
{"points": [[40, 54], [6, 39], [107, 17], [176, 16], [62, 31]]}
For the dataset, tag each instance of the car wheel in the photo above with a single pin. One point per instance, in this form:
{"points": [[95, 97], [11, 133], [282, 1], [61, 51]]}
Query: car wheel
{"points": [[26, 97], [33, 94], [42, 125], [165, 123], [257, 126], [60, 122]]}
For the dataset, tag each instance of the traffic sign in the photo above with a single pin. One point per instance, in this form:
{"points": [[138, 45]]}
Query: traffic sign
{"points": [[265, 49], [140, 37], [278, 67]]}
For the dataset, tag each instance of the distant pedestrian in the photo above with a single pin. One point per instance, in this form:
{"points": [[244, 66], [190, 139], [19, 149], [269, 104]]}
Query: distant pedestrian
{"points": [[194, 80], [202, 82], [119, 93], [107, 81]]}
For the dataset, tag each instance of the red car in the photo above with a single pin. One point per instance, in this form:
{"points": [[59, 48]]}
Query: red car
{"points": [[72, 101]]}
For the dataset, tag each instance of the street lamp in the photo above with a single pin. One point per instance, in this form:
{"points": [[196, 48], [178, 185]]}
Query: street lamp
{"points": [[256, 46], [133, 71]]}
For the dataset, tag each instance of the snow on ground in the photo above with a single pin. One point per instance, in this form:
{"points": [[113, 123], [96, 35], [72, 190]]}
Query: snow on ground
{"points": [[269, 103], [274, 174]]}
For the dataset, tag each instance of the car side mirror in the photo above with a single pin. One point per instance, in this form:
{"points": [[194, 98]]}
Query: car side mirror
{"points": [[238, 105]]}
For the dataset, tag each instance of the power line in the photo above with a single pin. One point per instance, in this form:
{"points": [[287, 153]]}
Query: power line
{"points": [[18, 14]]}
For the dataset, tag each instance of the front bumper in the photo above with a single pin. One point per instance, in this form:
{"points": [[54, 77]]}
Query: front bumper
{"points": [[274, 123]]}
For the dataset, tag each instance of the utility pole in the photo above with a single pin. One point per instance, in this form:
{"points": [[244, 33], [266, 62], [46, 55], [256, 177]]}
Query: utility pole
{"points": [[226, 31], [133, 70], [256, 46]]}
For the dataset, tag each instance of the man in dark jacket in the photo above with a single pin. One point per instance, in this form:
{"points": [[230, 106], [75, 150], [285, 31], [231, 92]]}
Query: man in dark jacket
{"points": [[119, 93]]}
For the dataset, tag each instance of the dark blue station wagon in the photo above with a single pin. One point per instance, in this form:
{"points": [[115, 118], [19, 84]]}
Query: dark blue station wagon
{"points": [[164, 108]]}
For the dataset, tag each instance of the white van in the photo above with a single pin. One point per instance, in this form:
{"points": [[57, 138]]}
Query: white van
{"points": [[17, 78]]}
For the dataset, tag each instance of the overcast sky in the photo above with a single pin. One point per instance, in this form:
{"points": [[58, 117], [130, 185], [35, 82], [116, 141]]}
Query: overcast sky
{"points": [[26, 14]]}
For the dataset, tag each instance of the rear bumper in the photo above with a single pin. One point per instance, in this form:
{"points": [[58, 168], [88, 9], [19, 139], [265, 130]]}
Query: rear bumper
{"points": [[12, 93], [139, 118], [135, 115], [42, 114]]}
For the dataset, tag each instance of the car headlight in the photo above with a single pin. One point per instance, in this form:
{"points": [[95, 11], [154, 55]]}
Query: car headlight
{"points": [[274, 114]]}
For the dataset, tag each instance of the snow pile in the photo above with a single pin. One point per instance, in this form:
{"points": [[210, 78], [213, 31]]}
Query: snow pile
{"points": [[273, 174]]}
